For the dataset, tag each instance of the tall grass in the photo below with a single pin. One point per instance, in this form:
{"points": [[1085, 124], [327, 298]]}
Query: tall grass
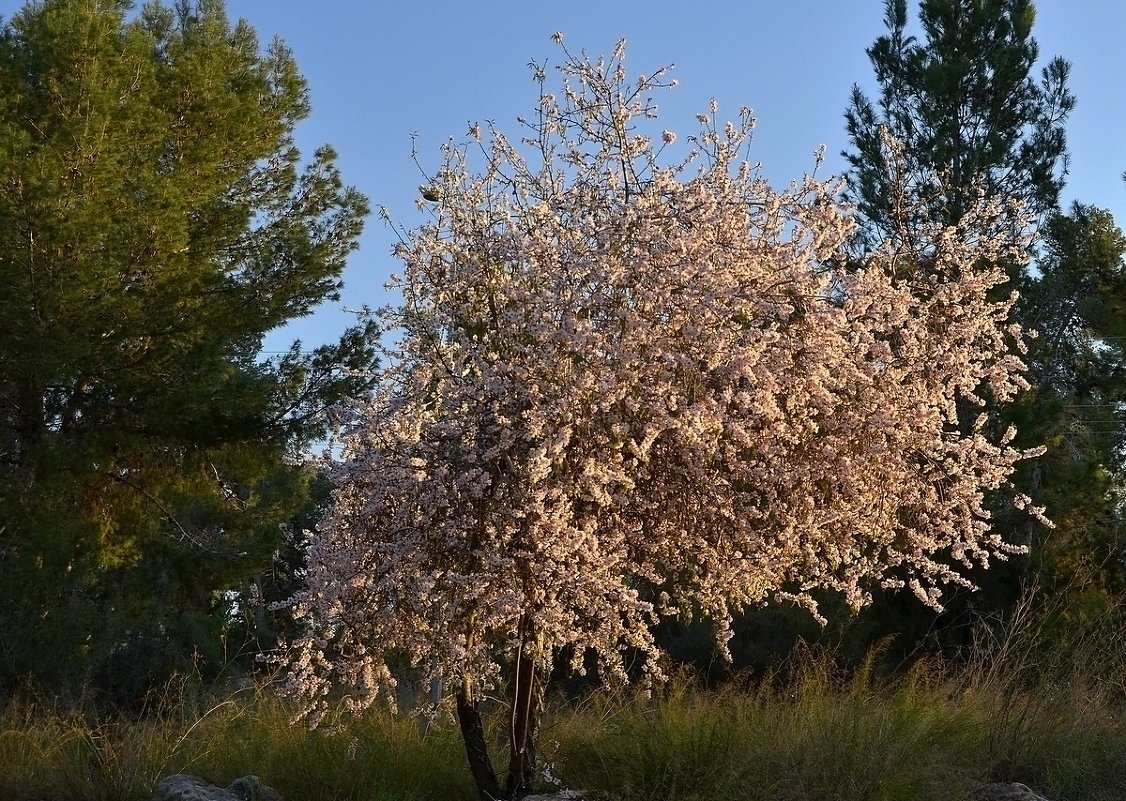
{"points": [[47, 755], [1014, 710], [815, 736]]}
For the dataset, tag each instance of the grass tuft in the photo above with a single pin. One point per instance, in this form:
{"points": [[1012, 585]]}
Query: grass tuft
{"points": [[1023, 706]]}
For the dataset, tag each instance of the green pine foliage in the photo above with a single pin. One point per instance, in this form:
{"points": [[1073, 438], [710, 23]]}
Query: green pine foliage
{"points": [[963, 100], [156, 220], [1077, 303]]}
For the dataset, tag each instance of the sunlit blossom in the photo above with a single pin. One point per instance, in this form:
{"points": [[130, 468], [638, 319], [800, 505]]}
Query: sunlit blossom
{"points": [[626, 390]]}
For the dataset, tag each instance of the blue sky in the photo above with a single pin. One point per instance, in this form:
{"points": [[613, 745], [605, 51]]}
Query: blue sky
{"points": [[382, 71]]}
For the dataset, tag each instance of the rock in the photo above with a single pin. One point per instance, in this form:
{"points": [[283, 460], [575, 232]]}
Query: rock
{"points": [[182, 787], [570, 795], [1005, 791]]}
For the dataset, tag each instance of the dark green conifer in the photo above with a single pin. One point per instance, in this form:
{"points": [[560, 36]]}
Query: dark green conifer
{"points": [[156, 220], [961, 100], [963, 103]]}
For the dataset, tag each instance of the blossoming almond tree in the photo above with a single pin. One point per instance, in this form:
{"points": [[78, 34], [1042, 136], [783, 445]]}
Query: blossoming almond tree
{"points": [[626, 390]]}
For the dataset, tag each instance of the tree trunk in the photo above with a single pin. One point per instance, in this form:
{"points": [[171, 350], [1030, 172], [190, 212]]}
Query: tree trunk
{"points": [[527, 698], [473, 735]]}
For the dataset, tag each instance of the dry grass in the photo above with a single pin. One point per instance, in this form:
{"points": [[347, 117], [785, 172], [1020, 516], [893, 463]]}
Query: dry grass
{"points": [[1016, 710]]}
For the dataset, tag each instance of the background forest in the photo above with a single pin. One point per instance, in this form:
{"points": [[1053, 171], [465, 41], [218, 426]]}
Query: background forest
{"points": [[156, 483]]}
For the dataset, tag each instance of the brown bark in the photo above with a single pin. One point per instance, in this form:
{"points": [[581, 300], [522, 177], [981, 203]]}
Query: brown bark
{"points": [[476, 749], [527, 697]]}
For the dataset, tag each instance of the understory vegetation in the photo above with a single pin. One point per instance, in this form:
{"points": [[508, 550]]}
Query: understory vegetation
{"points": [[1013, 708]]}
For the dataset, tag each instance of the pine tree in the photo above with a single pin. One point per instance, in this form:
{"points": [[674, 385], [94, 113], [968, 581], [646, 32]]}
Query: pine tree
{"points": [[156, 220], [959, 111], [963, 104], [1078, 370]]}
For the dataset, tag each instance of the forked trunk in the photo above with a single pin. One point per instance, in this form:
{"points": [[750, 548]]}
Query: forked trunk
{"points": [[527, 696], [476, 749], [526, 704]]}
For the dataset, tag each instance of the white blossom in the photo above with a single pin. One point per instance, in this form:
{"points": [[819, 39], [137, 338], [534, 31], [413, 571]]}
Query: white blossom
{"points": [[623, 391]]}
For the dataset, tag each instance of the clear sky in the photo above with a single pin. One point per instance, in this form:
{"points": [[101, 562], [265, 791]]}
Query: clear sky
{"points": [[381, 71]]}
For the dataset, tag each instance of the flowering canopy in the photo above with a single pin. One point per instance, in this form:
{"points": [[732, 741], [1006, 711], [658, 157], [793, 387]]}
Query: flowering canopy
{"points": [[627, 390]]}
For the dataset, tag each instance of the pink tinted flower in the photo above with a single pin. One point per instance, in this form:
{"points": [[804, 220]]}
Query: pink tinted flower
{"points": [[622, 394]]}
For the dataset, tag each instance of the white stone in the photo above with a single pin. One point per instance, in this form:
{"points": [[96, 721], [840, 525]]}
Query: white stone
{"points": [[183, 787]]}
